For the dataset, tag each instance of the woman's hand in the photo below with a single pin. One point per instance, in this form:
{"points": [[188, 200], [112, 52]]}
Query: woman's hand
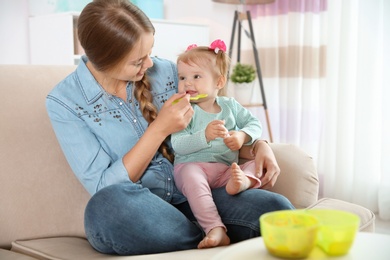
{"points": [[171, 118], [267, 168], [175, 117]]}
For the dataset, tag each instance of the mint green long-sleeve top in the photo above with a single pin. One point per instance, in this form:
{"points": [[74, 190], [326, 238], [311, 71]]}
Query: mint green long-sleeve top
{"points": [[190, 144]]}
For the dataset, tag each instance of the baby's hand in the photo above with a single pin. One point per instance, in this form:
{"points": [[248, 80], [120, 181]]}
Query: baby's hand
{"points": [[235, 140], [216, 129]]}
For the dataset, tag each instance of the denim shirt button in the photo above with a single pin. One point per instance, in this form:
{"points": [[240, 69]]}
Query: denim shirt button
{"points": [[169, 179], [169, 194], [120, 103], [135, 120], [160, 162]]}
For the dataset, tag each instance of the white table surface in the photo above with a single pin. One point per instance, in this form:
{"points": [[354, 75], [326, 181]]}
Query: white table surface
{"points": [[366, 246]]}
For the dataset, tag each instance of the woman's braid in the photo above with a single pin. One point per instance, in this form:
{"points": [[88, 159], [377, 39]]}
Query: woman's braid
{"points": [[149, 111]]}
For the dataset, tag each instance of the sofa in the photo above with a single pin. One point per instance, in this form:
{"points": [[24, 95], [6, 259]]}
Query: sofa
{"points": [[42, 202]]}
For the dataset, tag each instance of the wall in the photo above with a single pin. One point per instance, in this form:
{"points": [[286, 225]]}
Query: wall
{"points": [[14, 46], [218, 16]]}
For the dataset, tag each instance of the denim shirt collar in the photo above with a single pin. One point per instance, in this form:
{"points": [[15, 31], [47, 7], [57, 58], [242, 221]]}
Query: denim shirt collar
{"points": [[87, 79]]}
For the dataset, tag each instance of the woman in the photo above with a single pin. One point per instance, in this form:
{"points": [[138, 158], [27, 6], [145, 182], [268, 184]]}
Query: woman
{"points": [[113, 117]]}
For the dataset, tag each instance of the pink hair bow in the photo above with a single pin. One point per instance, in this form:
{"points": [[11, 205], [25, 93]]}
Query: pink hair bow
{"points": [[218, 45], [191, 47]]}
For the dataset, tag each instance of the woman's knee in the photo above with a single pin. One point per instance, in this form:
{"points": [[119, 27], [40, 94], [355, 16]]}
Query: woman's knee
{"points": [[121, 219], [280, 202], [111, 198], [109, 212]]}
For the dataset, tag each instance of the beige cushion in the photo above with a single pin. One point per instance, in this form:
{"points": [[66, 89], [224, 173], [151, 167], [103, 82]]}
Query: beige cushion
{"points": [[79, 248], [298, 179], [9, 255], [39, 194]]}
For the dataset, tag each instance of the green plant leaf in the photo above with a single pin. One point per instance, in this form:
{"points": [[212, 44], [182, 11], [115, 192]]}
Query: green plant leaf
{"points": [[243, 73]]}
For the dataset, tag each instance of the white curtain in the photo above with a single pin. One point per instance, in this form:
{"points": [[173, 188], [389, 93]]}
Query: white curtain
{"points": [[355, 145], [326, 75], [290, 36]]}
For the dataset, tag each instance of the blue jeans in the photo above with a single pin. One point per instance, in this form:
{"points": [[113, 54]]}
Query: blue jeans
{"points": [[127, 219]]}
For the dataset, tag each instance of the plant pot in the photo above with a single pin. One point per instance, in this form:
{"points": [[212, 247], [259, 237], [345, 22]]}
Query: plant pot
{"points": [[243, 92]]}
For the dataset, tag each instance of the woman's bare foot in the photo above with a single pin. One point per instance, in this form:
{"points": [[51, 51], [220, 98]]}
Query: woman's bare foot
{"points": [[216, 237], [238, 181]]}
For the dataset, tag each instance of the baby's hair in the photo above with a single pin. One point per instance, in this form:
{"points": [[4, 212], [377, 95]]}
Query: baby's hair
{"points": [[217, 63]]}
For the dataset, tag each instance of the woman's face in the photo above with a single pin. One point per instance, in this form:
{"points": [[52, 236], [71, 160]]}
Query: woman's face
{"points": [[138, 61]]}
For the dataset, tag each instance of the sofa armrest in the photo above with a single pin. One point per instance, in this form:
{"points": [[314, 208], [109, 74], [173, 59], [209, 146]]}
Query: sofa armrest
{"points": [[366, 216], [298, 179]]}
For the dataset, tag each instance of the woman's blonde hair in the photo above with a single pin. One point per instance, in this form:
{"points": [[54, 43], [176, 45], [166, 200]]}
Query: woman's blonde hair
{"points": [[108, 30]]}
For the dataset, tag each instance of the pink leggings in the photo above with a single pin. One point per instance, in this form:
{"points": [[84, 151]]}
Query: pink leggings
{"points": [[195, 181]]}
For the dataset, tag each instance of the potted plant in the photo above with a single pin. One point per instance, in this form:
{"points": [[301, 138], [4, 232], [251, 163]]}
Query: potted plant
{"points": [[242, 77], [243, 73]]}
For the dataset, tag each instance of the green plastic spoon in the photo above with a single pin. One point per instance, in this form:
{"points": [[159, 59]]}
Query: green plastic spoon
{"points": [[192, 98]]}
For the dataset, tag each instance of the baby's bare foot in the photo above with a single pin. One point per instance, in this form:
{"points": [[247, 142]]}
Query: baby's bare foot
{"points": [[216, 237], [238, 181]]}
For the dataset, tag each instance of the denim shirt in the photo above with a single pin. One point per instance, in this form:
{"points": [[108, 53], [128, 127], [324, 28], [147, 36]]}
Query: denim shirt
{"points": [[96, 129]]}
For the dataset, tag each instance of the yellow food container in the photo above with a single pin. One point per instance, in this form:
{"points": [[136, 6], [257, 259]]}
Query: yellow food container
{"points": [[337, 230], [289, 233]]}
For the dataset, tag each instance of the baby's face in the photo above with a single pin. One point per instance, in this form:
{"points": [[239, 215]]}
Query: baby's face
{"points": [[195, 80]]}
